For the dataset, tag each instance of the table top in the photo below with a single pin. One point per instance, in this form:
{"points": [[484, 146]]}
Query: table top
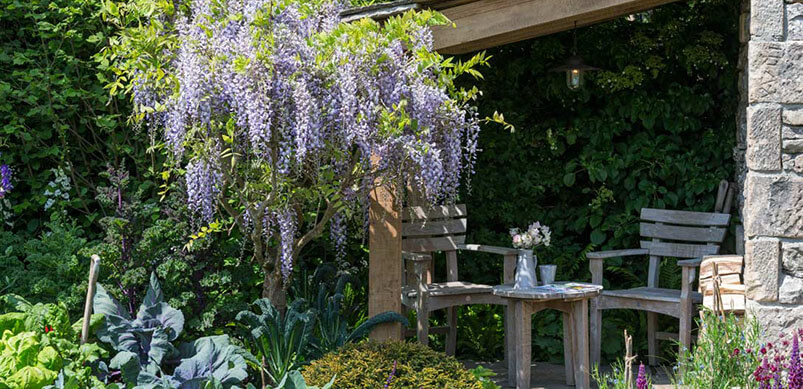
{"points": [[555, 291]]}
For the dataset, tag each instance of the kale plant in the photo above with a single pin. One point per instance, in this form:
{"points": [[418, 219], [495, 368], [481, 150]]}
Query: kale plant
{"points": [[147, 358]]}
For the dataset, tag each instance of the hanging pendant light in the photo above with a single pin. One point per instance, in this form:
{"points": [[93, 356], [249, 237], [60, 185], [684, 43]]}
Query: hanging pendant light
{"points": [[574, 67]]}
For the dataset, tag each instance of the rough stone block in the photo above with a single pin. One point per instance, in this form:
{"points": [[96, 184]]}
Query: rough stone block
{"points": [[792, 259], [764, 137], [774, 205], [776, 319], [798, 164], [766, 20], [775, 72], [793, 146], [791, 290], [793, 116], [792, 132], [794, 21], [762, 269]]}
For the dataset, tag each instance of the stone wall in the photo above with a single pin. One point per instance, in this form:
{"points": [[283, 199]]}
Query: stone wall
{"points": [[771, 127]]}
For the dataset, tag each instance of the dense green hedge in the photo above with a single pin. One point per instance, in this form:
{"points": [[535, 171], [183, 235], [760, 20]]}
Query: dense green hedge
{"points": [[399, 364], [55, 112], [655, 128]]}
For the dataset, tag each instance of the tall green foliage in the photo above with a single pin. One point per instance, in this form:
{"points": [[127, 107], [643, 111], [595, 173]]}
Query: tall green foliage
{"points": [[655, 128], [54, 111]]}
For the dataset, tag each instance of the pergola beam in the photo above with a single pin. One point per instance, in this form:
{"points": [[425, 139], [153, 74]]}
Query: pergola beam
{"points": [[484, 24]]}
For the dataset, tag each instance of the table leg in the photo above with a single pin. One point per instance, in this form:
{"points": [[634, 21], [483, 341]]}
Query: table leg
{"points": [[522, 337], [568, 348], [582, 376], [510, 345]]}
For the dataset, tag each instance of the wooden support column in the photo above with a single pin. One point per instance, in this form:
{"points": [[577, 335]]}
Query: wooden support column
{"points": [[384, 259]]}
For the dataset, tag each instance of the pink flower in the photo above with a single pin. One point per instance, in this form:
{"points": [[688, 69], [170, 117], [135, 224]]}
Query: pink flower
{"points": [[641, 380]]}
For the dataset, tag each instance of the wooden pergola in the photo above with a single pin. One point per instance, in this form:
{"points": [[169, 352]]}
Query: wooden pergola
{"points": [[478, 25]]}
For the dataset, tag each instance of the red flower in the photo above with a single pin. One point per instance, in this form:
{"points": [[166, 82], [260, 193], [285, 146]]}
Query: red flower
{"points": [[735, 352], [48, 329], [763, 350]]}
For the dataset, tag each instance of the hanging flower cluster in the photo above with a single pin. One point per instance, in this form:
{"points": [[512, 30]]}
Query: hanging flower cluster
{"points": [[5, 180], [535, 235], [276, 107]]}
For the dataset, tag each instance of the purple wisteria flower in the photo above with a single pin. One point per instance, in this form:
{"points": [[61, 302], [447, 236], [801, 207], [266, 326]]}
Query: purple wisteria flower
{"points": [[5, 180], [274, 107]]}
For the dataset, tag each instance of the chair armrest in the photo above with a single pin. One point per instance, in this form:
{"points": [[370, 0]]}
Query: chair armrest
{"points": [[509, 254], [695, 262], [416, 257], [488, 249], [616, 253], [595, 261]]}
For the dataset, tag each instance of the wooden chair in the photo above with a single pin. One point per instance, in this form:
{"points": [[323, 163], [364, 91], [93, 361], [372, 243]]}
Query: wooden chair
{"points": [[665, 233], [443, 228]]}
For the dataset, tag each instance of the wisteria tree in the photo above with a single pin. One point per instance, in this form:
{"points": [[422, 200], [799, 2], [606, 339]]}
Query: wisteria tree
{"points": [[272, 111]]}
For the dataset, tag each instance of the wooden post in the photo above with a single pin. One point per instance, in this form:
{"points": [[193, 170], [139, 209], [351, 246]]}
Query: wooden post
{"points": [[384, 259], [94, 269]]}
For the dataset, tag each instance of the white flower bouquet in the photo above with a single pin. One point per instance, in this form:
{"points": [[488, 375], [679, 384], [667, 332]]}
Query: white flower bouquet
{"points": [[535, 235]]}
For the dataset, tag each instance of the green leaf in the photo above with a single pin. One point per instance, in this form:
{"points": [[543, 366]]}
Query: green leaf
{"points": [[154, 294], [568, 179], [597, 237]]}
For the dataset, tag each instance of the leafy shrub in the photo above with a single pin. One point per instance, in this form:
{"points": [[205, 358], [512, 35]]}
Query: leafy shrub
{"points": [[49, 267], [39, 347], [54, 110], [332, 329], [485, 375], [146, 356], [725, 355], [369, 365]]}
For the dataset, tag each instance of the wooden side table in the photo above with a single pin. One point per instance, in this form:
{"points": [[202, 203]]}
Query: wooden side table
{"points": [[571, 298]]}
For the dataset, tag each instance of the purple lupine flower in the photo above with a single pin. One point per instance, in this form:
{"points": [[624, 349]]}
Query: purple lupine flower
{"points": [[390, 377], [795, 378], [641, 379], [5, 180]]}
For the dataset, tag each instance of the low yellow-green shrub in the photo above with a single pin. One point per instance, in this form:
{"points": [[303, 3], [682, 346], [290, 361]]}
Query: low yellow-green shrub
{"points": [[369, 364]]}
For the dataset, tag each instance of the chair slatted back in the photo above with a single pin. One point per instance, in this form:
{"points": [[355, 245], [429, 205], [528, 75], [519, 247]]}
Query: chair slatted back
{"points": [[440, 228], [431, 229], [680, 234]]}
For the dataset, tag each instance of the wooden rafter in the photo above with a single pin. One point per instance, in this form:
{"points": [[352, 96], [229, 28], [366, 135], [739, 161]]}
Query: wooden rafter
{"points": [[482, 24]]}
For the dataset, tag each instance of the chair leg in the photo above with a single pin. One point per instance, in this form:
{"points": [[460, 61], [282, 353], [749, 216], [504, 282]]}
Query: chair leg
{"points": [[422, 318], [652, 341], [595, 332], [684, 334], [451, 336]]}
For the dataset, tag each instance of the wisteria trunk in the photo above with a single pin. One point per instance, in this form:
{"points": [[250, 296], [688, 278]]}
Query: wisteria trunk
{"points": [[273, 289]]}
